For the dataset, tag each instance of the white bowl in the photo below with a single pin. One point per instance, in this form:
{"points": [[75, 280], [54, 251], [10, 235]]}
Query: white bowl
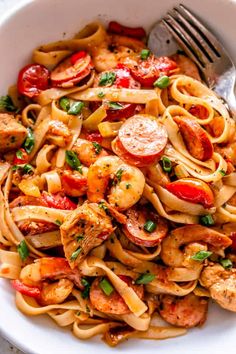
{"points": [[32, 23]]}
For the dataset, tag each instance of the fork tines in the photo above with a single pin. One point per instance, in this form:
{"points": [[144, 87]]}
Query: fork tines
{"points": [[196, 40]]}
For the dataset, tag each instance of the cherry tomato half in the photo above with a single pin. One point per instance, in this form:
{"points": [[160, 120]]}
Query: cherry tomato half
{"points": [[33, 79]]}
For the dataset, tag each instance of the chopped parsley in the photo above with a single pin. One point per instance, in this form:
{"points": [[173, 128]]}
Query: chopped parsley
{"points": [[115, 106], [128, 185], [222, 172], [6, 104], [119, 174], [97, 147], [102, 206], [58, 222], [26, 169], [23, 250], [29, 141], [75, 254], [107, 78], [207, 220], [101, 94], [85, 292]]}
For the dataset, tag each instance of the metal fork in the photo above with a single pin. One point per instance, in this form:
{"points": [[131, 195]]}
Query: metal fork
{"points": [[206, 51]]}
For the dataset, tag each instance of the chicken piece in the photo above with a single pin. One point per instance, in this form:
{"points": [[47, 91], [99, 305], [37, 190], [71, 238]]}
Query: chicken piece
{"points": [[188, 311], [84, 229], [12, 133], [186, 66], [221, 284]]}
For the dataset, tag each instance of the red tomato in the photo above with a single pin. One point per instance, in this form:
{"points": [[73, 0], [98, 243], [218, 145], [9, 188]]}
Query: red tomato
{"points": [[199, 111], [148, 71], [31, 291], [58, 201], [21, 160], [67, 74], [192, 190], [123, 80], [33, 79], [74, 185], [75, 57], [95, 136], [137, 32]]}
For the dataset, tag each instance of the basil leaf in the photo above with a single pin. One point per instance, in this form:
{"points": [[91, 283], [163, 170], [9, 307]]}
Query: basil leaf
{"points": [[23, 250], [6, 104], [201, 255], [145, 278], [29, 141], [73, 161]]}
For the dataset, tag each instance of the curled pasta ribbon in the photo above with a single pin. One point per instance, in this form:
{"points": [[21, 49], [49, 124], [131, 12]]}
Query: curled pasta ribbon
{"points": [[141, 323], [40, 213], [230, 180], [53, 181], [10, 264], [171, 288], [42, 159], [51, 54], [160, 333], [63, 319], [115, 94], [182, 218], [223, 195], [134, 303], [6, 237], [26, 120], [199, 94], [86, 333]]}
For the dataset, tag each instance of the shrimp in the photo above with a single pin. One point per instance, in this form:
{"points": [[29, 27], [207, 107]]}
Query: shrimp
{"points": [[171, 253], [221, 284], [88, 152], [127, 182], [58, 128], [55, 293], [188, 311], [49, 268], [115, 49]]}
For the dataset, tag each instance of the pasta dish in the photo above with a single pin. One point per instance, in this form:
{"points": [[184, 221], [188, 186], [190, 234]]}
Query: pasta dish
{"points": [[118, 189]]}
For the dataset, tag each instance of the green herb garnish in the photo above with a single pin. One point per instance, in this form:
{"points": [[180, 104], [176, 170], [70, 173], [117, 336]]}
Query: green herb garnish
{"points": [[226, 263], [23, 250], [76, 108], [119, 174], [97, 147], [128, 185], [207, 220], [58, 222], [166, 164], [19, 155], [85, 292], [145, 278], [222, 172], [201, 256], [27, 169], [145, 54], [73, 161], [64, 103], [102, 206], [79, 238], [101, 94], [29, 141], [106, 287], [107, 78], [6, 104], [162, 82], [115, 106], [150, 226], [75, 254]]}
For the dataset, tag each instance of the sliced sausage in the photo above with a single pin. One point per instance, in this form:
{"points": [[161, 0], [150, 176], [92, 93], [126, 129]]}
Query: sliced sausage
{"points": [[188, 311], [12, 133], [114, 303], [186, 66], [195, 138], [70, 72], [192, 190], [143, 139], [134, 228]]}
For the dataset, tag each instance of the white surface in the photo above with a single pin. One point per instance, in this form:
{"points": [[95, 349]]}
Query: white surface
{"points": [[45, 20]]}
